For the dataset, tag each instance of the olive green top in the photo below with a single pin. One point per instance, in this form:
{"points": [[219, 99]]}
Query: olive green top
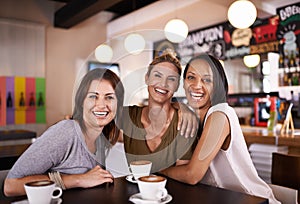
{"points": [[173, 146]]}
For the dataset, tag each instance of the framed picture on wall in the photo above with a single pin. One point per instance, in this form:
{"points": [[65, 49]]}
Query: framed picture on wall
{"points": [[112, 66]]}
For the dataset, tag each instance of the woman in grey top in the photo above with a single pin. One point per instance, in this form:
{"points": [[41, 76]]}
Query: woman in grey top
{"points": [[72, 152]]}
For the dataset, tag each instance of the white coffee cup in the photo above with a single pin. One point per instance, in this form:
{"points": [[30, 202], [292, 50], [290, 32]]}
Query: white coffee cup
{"points": [[152, 187], [41, 192], [140, 168]]}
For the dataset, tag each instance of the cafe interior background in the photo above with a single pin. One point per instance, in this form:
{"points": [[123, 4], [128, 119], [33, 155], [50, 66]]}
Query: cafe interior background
{"points": [[44, 52], [47, 46]]}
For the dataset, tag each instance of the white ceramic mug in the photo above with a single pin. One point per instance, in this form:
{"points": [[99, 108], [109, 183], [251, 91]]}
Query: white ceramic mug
{"points": [[140, 168], [152, 187], [41, 192]]}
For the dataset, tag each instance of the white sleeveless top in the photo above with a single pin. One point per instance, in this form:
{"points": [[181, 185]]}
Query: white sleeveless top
{"points": [[233, 169]]}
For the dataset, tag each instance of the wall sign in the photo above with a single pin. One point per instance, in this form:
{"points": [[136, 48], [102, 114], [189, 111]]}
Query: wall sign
{"points": [[273, 34]]}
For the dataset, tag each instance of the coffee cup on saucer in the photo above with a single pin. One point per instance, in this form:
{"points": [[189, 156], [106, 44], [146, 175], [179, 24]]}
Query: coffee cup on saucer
{"points": [[140, 168], [41, 192], [152, 187]]}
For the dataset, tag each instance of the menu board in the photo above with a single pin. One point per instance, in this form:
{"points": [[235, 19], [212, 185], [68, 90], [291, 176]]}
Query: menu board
{"points": [[226, 42], [288, 30]]}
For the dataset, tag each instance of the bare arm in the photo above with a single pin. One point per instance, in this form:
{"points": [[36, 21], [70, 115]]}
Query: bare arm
{"points": [[187, 120], [209, 145], [15, 186], [94, 177]]}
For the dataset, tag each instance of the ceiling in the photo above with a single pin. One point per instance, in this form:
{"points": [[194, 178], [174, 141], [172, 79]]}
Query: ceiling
{"points": [[73, 12]]}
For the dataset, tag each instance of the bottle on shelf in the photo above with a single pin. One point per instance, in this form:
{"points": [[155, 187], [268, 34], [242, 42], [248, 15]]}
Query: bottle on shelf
{"points": [[22, 100], [280, 61], [297, 64], [297, 58], [40, 100], [272, 121], [31, 99], [292, 59], [281, 77], [280, 70], [293, 69], [9, 101], [287, 72], [286, 77]]}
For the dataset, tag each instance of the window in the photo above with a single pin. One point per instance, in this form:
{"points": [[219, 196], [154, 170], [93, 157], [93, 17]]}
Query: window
{"points": [[112, 66]]}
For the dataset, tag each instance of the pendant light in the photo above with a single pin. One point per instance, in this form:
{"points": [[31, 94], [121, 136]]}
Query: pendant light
{"points": [[103, 53], [251, 61], [242, 14], [134, 43], [176, 30]]}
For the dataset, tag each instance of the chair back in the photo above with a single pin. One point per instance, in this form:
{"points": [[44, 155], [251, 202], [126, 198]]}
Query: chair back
{"points": [[285, 195], [286, 170], [3, 174]]}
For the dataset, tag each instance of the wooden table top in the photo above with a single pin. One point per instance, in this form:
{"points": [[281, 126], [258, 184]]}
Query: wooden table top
{"points": [[121, 190]]}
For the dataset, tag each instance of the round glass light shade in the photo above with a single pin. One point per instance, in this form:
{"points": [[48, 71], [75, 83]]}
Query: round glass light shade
{"points": [[251, 60], [104, 53], [242, 14], [176, 30], [134, 43]]}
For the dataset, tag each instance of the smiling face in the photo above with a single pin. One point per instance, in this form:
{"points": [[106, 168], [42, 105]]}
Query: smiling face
{"points": [[162, 81], [100, 104], [198, 84]]}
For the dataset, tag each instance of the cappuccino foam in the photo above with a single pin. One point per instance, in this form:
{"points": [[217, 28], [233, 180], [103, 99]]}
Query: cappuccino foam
{"points": [[39, 183], [152, 178], [141, 162]]}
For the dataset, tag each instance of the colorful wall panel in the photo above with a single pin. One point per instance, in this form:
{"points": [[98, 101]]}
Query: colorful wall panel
{"points": [[40, 100], [20, 114], [30, 100], [10, 98], [2, 101], [22, 100]]}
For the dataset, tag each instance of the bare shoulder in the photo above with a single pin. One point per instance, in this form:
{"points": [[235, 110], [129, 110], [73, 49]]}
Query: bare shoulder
{"points": [[218, 120]]}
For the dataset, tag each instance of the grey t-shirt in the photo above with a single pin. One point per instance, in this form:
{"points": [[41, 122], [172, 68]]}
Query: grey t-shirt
{"points": [[60, 148]]}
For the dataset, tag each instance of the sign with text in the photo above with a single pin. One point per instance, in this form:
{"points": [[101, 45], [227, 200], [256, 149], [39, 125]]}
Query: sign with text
{"points": [[274, 34]]}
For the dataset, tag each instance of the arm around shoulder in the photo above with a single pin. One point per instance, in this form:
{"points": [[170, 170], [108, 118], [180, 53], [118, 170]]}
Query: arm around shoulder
{"points": [[214, 133]]}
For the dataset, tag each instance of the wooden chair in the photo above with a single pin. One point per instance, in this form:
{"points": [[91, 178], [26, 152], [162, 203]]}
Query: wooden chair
{"points": [[286, 170]]}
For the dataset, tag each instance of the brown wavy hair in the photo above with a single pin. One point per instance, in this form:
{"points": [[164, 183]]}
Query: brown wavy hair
{"points": [[111, 131]]}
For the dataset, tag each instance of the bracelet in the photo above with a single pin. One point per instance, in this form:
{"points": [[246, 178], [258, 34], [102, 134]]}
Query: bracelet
{"points": [[55, 176]]}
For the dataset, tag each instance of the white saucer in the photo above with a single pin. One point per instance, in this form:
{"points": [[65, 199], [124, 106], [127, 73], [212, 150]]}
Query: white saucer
{"points": [[53, 201], [131, 179], [137, 199]]}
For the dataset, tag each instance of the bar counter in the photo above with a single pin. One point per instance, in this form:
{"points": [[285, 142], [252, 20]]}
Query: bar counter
{"points": [[12, 144], [263, 136]]}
